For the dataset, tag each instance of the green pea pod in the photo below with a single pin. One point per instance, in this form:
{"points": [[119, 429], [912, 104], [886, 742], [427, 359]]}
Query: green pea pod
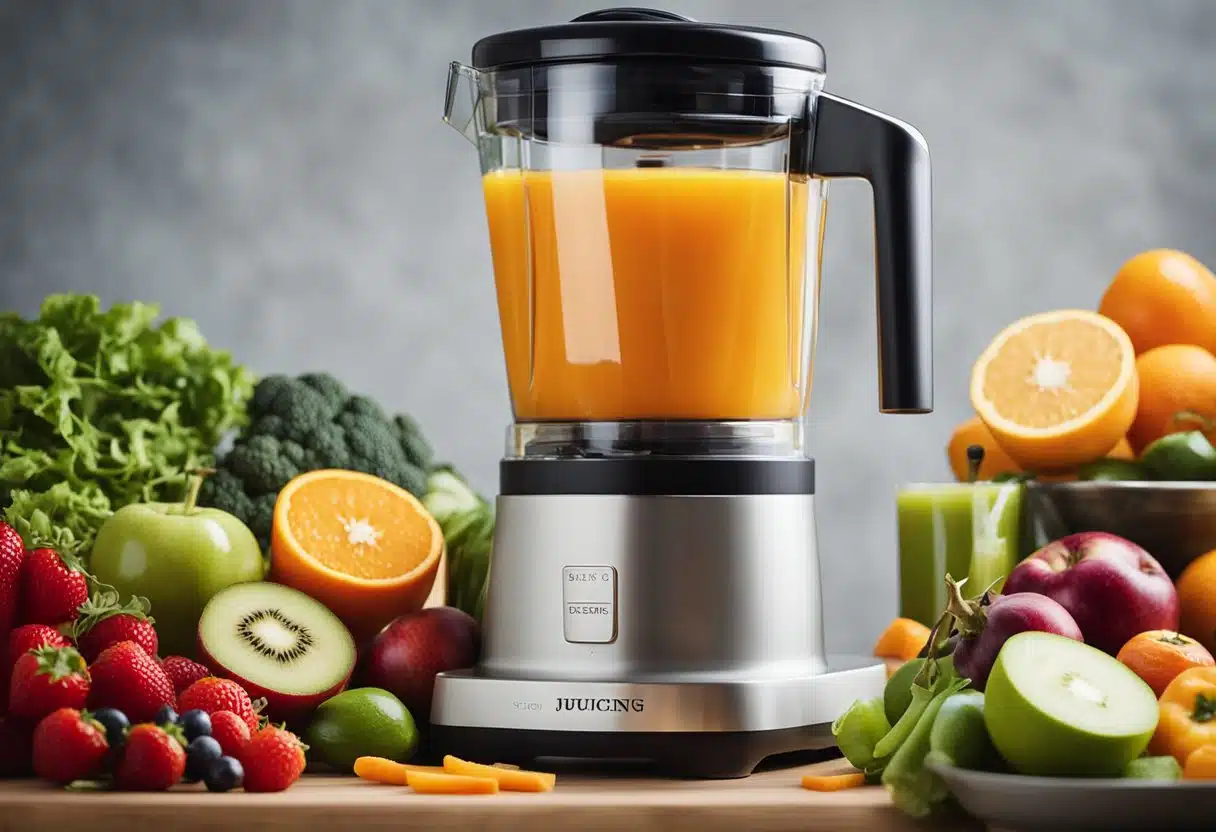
{"points": [[897, 695], [859, 729], [919, 699], [913, 788], [1187, 456], [1114, 470], [959, 736], [1153, 768], [890, 743]]}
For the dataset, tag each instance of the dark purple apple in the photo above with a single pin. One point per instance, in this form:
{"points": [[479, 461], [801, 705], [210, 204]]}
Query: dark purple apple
{"points": [[407, 655], [983, 628], [1112, 587]]}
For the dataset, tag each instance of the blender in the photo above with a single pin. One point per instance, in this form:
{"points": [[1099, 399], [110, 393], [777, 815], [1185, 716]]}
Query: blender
{"points": [[655, 189]]}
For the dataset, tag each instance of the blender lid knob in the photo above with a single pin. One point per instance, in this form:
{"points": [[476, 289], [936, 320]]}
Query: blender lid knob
{"points": [[632, 13]]}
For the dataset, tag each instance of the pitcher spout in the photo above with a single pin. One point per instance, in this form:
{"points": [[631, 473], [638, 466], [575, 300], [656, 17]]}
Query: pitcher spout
{"points": [[461, 110]]}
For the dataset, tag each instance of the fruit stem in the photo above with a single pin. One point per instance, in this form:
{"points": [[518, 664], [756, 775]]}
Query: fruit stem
{"points": [[193, 487], [1178, 639], [975, 458], [971, 617], [1206, 423], [926, 677], [1205, 709]]}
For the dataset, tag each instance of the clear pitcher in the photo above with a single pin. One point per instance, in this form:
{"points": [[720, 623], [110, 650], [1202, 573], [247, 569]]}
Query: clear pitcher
{"points": [[655, 189]]}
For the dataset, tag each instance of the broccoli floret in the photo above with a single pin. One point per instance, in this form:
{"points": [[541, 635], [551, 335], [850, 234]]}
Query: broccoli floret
{"points": [[369, 439], [294, 453], [261, 518], [299, 406], [266, 391], [225, 491], [328, 443], [412, 480], [363, 406], [261, 464], [308, 423], [375, 450], [270, 425], [417, 450], [332, 390]]}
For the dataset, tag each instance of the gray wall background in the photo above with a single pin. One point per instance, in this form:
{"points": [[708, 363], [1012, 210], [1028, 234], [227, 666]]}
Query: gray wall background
{"points": [[278, 171]]}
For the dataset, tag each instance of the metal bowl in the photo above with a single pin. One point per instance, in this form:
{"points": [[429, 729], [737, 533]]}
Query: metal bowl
{"points": [[1174, 521]]}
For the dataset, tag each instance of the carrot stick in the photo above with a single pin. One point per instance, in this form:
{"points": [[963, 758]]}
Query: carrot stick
{"points": [[509, 780], [425, 782], [833, 782], [389, 772]]}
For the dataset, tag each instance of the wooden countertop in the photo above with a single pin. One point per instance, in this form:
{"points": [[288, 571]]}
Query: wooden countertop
{"points": [[768, 801]]}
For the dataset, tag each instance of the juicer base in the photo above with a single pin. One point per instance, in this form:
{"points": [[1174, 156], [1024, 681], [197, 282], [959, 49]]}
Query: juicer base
{"points": [[685, 725], [720, 755]]}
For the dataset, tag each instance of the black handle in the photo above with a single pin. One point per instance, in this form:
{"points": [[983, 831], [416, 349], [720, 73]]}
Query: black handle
{"points": [[852, 141], [629, 13]]}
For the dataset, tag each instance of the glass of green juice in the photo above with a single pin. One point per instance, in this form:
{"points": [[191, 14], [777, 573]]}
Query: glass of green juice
{"points": [[967, 530]]}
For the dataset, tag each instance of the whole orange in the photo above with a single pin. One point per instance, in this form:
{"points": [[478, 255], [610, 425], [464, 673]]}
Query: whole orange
{"points": [[995, 461], [1158, 656], [1123, 451], [1197, 600], [1174, 380], [1163, 297]]}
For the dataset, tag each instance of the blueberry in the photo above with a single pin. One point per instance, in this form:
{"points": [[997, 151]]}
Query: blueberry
{"points": [[224, 775], [195, 724], [115, 723], [200, 754], [165, 716]]}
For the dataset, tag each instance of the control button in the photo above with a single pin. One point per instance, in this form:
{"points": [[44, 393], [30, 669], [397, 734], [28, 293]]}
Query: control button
{"points": [[589, 604], [594, 584], [590, 623]]}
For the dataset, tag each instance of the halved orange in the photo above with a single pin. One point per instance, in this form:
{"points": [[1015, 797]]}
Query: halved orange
{"points": [[1057, 389], [362, 546]]}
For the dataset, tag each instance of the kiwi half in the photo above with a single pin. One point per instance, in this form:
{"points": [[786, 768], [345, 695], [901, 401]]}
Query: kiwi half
{"points": [[279, 644]]}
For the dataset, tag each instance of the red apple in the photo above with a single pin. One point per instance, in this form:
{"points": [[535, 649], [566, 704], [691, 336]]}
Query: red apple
{"points": [[407, 654], [1112, 587]]}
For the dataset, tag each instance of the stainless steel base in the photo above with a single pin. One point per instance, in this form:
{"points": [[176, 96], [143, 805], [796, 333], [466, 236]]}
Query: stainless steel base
{"points": [[696, 729], [661, 627], [469, 699]]}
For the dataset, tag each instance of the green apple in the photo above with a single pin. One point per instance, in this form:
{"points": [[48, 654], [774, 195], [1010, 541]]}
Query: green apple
{"points": [[176, 555], [1055, 707]]}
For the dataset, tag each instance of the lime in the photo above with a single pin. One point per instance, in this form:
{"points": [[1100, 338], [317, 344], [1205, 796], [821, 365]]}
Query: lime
{"points": [[959, 735], [1181, 456], [1153, 768], [1114, 470], [897, 695], [364, 722], [1058, 707]]}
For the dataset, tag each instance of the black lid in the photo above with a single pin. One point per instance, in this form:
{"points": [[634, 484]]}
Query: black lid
{"points": [[644, 33]]}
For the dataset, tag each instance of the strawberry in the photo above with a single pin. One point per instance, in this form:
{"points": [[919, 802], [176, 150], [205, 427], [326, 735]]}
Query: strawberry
{"points": [[273, 760], [103, 621], [128, 679], [153, 760], [46, 679], [16, 747], [183, 672], [212, 694], [12, 555], [21, 641], [53, 587], [231, 732], [69, 745]]}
